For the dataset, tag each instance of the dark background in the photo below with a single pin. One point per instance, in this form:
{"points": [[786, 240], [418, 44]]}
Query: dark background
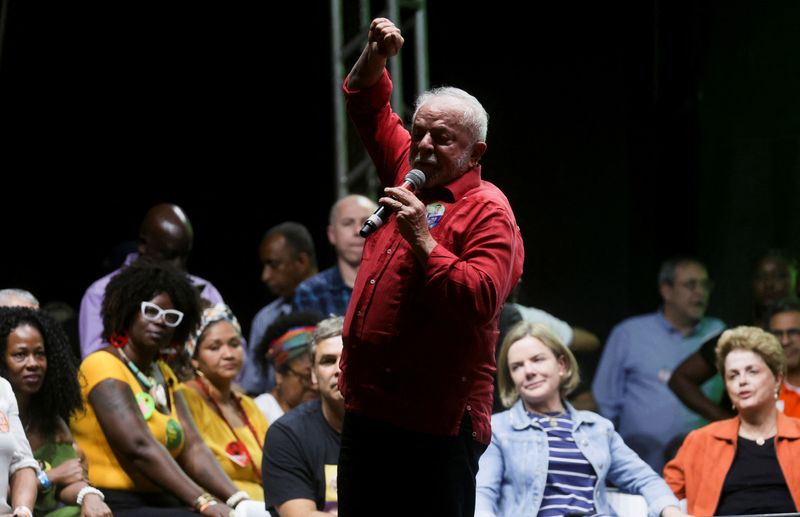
{"points": [[622, 132]]}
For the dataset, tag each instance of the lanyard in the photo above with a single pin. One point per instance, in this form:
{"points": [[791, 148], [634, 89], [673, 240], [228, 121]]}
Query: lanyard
{"points": [[238, 404]]}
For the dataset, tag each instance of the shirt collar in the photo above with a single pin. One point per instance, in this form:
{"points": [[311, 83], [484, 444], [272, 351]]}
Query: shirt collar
{"points": [[457, 188], [131, 258], [787, 428], [521, 421], [671, 329]]}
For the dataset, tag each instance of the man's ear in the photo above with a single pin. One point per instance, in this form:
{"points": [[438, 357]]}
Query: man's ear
{"points": [[303, 259], [331, 236], [478, 148]]}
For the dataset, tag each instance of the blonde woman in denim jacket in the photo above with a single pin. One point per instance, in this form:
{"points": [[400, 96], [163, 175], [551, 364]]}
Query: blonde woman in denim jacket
{"points": [[546, 458]]}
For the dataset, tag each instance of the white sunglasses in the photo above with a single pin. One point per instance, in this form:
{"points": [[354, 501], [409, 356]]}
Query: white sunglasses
{"points": [[152, 312]]}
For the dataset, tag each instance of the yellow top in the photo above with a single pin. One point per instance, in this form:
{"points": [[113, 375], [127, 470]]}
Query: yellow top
{"points": [[218, 437], [106, 470]]}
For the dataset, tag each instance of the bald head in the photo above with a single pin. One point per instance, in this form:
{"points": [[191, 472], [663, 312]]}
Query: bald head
{"points": [[18, 298], [166, 235]]}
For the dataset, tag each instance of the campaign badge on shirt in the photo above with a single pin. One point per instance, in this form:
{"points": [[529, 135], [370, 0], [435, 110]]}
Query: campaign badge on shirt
{"points": [[331, 497], [174, 434], [146, 404], [235, 451], [3, 423], [435, 213]]}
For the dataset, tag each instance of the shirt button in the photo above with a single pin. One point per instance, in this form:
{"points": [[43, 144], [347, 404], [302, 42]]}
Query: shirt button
{"points": [[358, 313], [601, 465], [474, 434], [372, 281], [463, 379], [389, 251], [469, 408], [585, 443]]}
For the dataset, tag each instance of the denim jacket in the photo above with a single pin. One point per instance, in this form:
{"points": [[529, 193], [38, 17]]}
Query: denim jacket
{"points": [[513, 470]]}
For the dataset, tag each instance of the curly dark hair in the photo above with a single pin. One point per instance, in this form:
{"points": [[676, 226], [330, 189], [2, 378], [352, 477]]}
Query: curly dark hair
{"points": [[279, 327], [60, 394], [144, 280]]}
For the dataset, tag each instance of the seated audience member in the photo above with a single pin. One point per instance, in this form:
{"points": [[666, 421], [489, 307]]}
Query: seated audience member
{"points": [[301, 450], [288, 257], [746, 464], [138, 435], [17, 466], [783, 320], [545, 457], [630, 384], [328, 292], [166, 235], [774, 279], [230, 422], [583, 344], [43, 372], [285, 348]]}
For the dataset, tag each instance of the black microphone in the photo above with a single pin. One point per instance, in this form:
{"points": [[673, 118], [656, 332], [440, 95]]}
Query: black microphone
{"points": [[415, 179]]}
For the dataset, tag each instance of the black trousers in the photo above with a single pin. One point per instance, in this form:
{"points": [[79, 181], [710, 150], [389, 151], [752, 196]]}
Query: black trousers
{"points": [[138, 504], [387, 470]]}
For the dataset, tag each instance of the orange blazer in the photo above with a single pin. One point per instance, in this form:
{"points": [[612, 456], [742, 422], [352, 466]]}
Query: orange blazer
{"points": [[699, 469]]}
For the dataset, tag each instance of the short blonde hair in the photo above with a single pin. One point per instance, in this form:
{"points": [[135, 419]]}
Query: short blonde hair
{"points": [[568, 382], [755, 340]]}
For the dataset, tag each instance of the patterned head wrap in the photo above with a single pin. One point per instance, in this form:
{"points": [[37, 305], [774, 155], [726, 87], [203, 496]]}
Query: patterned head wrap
{"points": [[293, 343], [213, 314]]}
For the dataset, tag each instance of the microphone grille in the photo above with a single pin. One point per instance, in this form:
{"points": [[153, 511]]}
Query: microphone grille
{"points": [[416, 177]]}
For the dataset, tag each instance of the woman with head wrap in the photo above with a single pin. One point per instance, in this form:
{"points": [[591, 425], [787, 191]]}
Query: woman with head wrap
{"points": [[229, 421], [285, 345]]}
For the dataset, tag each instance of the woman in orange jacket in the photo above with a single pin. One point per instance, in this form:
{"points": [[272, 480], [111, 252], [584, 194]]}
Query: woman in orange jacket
{"points": [[743, 465]]}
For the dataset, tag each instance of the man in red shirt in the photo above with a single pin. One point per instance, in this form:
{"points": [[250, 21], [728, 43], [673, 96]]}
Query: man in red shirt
{"points": [[421, 326]]}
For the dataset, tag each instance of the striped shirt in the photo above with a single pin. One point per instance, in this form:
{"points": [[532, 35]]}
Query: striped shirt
{"points": [[570, 477]]}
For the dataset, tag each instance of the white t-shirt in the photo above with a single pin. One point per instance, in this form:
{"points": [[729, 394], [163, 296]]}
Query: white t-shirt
{"points": [[15, 451], [269, 406]]}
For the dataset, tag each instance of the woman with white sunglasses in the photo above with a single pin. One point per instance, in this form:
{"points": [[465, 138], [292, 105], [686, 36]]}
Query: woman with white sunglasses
{"points": [[140, 440]]}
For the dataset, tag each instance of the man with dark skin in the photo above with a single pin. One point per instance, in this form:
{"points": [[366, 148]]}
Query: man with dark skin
{"points": [[288, 257], [165, 235]]}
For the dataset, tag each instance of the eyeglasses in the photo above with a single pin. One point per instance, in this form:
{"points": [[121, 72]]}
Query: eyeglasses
{"points": [[691, 285], [793, 333], [303, 377], [152, 312]]}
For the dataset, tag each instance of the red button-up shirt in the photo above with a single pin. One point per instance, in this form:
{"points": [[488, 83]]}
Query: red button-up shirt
{"points": [[419, 339]]}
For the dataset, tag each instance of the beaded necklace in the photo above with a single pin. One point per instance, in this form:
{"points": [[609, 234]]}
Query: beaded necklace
{"points": [[207, 392], [155, 388]]}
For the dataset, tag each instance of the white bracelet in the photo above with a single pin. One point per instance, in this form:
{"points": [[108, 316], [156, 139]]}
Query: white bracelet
{"points": [[22, 511], [237, 498], [88, 490]]}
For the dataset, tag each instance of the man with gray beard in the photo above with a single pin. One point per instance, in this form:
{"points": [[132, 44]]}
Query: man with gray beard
{"points": [[420, 330]]}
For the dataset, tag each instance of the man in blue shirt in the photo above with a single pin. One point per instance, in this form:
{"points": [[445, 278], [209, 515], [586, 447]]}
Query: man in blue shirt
{"points": [[329, 292], [288, 255], [630, 385]]}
